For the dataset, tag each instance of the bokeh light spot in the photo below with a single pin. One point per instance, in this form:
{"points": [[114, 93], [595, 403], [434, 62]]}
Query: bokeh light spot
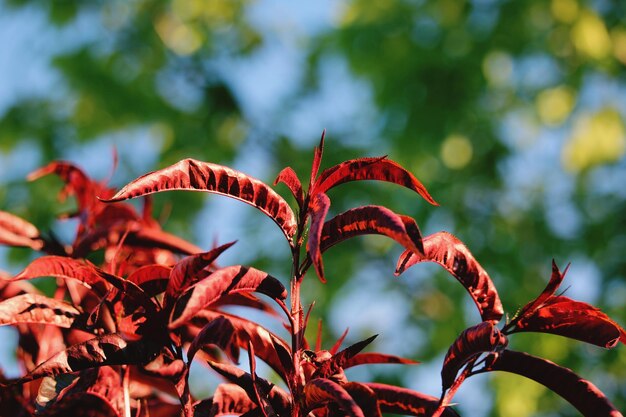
{"points": [[596, 139], [456, 151], [590, 36], [555, 104], [565, 11], [498, 68]]}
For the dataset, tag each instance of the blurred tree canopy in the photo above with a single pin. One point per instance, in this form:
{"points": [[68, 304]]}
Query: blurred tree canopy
{"points": [[511, 112]]}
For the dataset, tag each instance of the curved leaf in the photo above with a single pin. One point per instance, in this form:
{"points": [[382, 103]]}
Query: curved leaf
{"points": [[574, 319], [61, 267], [228, 399], [288, 177], [398, 400], [220, 332], [365, 397], [321, 391], [473, 341], [278, 399], [232, 279], [15, 231], [582, 394], [190, 174], [555, 281], [449, 252], [90, 405], [35, 308], [190, 270], [317, 161], [381, 169], [376, 358], [371, 220], [110, 349], [318, 208], [270, 348], [149, 273]]}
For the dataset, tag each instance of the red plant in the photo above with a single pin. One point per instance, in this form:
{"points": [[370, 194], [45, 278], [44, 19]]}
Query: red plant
{"points": [[119, 338]]}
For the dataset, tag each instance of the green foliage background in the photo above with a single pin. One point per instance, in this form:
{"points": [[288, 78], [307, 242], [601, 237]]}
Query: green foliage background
{"points": [[511, 112]]}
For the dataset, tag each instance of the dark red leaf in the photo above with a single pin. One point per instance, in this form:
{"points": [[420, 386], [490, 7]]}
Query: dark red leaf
{"points": [[152, 279], [546, 294], [574, 319], [83, 404], [15, 231], [473, 341], [220, 332], [582, 394], [152, 237], [278, 399], [190, 174], [365, 397], [348, 353], [228, 399], [270, 348], [190, 270], [232, 279], [398, 400], [35, 308], [381, 169], [376, 358], [61, 267], [110, 349], [321, 391], [288, 177], [318, 208], [449, 252], [371, 220], [317, 160]]}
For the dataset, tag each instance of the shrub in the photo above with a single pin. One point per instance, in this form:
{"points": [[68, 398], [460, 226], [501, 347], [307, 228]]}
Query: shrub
{"points": [[118, 337]]}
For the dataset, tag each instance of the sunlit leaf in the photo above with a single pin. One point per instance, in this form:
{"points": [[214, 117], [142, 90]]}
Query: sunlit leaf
{"points": [[191, 270], [320, 391], [582, 394], [220, 332], [110, 349], [376, 358], [473, 341], [232, 279], [574, 319], [318, 208], [15, 231], [190, 174], [35, 308], [404, 401], [288, 177], [381, 169], [449, 252], [228, 399]]}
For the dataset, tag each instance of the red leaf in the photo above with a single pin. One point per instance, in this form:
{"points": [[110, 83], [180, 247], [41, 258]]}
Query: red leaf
{"points": [[90, 405], [318, 208], [61, 267], [77, 182], [398, 400], [191, 270], [381, 169], [365, 397], [190, 174], [288, 177], [270, 348], [110, 349], [232, 279], [321, 391], [546, 294], [582, 394], [317, 160], [371, 220], [574, 319], [376, 358], [449, 252], [278, 399], [228, 399], [15, 231], [35, 308], [149, 274], [473, 341], [220, 332]]}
